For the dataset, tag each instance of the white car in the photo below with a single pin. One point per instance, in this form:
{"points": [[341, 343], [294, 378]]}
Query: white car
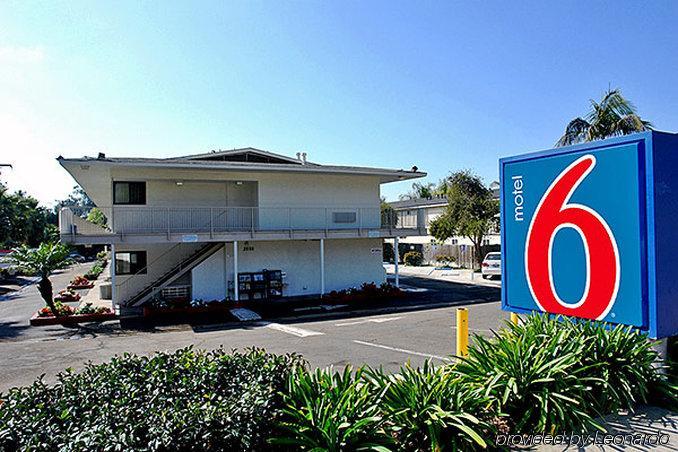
{"points": [[491, 265]]}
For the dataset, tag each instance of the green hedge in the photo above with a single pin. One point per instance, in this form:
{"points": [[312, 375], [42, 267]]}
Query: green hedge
{"points": [[188, 400]]}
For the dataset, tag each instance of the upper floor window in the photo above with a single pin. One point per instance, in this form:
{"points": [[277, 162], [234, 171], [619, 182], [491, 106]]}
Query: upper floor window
{"points": [[129, 192]]}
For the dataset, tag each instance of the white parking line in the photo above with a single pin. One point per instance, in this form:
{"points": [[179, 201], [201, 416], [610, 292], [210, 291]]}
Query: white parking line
{"points": [[402, 350], [299, 332], [358, 322]]}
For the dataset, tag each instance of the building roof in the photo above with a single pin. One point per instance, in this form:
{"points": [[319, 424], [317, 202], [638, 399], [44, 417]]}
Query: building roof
{"points": [[435, 201], [419, 202], [245, 155], [245, 159]]}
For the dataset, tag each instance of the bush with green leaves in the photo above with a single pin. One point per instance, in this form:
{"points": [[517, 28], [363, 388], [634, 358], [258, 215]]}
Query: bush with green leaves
{"points": [[331, 411], [187, 400], [94, 272], [430, 408], [554, 374], [534, 374], [413, 258], [623, 367]]}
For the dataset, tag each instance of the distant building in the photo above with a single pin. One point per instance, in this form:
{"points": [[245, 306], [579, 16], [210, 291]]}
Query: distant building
{"points": [[459, 247]]}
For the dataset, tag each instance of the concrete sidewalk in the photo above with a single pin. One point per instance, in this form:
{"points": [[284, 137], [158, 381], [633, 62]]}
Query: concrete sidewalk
{"points": [[658, 424], [455, 275]]}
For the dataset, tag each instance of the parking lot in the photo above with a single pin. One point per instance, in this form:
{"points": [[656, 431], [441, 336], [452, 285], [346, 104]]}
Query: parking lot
{"points": [[389, 339]]}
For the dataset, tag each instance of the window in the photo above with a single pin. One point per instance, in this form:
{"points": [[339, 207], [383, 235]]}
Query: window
{"points": [[130, 263], [129, 192], [344, 217]]}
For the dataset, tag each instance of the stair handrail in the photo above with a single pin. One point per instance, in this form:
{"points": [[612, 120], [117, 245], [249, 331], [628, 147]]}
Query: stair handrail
{"points": [[153, 287], [148, 264]]}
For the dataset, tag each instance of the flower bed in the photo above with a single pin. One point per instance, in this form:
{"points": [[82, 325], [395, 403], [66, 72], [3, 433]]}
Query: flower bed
{"points": [[69, 316], [67, 295], [159, 308], [80, 282], [366, 292]]}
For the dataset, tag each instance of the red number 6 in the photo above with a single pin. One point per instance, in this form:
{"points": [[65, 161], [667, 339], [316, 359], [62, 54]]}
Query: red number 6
{"points": [[602, 256]]}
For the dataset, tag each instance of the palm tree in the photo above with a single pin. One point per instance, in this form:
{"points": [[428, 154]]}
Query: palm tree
{"points": [[613, 116], [419, 191], [42, 262]]}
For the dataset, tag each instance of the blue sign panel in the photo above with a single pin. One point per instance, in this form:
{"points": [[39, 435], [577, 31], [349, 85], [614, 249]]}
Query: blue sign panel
{"points": [[577, 236]]}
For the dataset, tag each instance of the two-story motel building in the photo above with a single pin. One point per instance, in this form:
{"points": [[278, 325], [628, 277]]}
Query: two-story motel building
{"points": [[189, 225]]}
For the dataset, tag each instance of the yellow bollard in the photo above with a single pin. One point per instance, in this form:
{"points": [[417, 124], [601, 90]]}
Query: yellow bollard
{"points": [[462, 332], [514, 318]]}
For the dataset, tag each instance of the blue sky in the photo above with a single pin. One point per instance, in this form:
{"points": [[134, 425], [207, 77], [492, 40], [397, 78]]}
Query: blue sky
{"points": [[440, 85]]}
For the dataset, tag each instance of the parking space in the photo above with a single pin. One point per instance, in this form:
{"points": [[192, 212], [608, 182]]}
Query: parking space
{"points": [[382, 340]]}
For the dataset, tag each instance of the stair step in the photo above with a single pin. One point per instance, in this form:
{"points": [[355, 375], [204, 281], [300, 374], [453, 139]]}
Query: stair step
{"points": [[205, 251]]}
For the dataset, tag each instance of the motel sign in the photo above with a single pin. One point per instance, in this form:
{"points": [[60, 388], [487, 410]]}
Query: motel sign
{"points": [[591, 231]]}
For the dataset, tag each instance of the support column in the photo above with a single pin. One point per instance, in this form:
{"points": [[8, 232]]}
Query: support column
{"points": [[396, 242], [322, 267], [114, 290], [236, 284]]}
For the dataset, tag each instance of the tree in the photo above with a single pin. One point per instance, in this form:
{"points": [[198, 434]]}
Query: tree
{"points": [[22, 220], [43, 261], [77, 198], [389, 217], [96, 216], [420, 191], [470, 211], [613, 116]]}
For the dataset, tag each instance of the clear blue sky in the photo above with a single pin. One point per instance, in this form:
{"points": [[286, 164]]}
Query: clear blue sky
{"points": [[443, 85]]}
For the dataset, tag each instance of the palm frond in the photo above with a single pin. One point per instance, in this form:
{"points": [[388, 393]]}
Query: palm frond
{"points": [[613, 116], [575, 132]]}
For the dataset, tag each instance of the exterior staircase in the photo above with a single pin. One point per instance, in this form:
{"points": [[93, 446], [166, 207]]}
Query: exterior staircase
{"points": [[173, 274]]}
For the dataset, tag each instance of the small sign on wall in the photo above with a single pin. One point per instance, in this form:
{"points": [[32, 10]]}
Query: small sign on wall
{"points": [[189, 238], [376, 251]]}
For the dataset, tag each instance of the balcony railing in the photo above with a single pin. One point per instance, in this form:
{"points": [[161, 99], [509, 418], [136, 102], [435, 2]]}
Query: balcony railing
{"points": [[183, 220]]}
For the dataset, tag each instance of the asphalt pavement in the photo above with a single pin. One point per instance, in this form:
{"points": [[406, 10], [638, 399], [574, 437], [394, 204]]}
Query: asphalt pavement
{"points": [[414, 328], [16, 308]]}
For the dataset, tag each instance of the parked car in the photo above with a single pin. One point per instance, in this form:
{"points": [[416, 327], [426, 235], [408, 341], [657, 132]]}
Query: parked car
{"points": [[77, 257], [491, 265]]}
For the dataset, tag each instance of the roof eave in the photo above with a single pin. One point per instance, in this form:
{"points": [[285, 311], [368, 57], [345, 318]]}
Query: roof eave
{"points": [[387, 175]]}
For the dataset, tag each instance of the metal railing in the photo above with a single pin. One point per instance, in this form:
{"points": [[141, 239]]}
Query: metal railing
{"points": [[148, 220]]}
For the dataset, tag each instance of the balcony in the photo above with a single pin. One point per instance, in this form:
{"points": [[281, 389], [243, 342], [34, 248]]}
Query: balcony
{"points": [[199, 224]]}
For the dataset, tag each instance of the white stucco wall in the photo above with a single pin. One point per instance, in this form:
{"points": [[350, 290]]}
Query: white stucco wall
{"points": [[201, 188], [209, 278], [284, 200], [348, 263]]}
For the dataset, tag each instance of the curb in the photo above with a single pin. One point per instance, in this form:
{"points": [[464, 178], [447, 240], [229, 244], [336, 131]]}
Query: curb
{"points": [[348, 314]]}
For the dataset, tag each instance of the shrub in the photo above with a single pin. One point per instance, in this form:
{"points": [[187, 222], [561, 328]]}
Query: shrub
{"points": [[533, 373], [413, 258], [97, 217], [95, 271], [622, 366], [444, 258], [331, 411], [429, 408], [186, 400]]}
